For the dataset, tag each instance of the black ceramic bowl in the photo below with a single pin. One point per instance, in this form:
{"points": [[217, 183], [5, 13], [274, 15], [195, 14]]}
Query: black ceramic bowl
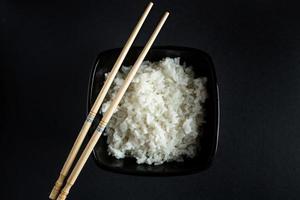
{"points": [[202, 66]]}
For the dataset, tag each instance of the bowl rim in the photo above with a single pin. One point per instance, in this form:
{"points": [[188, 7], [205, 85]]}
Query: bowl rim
{"points": [[216, 125]]}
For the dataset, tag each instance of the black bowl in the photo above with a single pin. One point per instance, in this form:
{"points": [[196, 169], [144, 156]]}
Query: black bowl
{"points": [[202, 66]]}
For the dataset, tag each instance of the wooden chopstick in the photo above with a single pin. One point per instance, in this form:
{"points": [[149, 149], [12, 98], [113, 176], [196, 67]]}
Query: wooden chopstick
{"points": [[108, 114], [87, 124]]}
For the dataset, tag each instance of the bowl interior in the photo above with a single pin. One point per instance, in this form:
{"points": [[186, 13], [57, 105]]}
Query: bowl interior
{"points": [[207, 143]]}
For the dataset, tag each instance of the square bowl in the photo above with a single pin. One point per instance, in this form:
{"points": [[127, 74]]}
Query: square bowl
{"points": [[206, 145]]}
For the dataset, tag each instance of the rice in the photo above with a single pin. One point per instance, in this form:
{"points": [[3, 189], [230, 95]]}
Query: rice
{"points": [[159, 117]]}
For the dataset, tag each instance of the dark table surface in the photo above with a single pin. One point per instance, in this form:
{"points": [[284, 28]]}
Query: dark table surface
{"points": [[48, 48]]}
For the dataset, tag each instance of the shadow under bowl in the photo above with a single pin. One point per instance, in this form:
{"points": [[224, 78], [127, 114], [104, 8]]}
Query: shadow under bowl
{"points": [[206, 143]]}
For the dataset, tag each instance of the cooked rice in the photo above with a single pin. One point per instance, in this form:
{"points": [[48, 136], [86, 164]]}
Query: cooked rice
{"points": [[159, 117]]}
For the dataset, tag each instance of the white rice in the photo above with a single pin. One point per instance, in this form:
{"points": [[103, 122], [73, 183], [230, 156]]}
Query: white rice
{"points": [[159, 117]]}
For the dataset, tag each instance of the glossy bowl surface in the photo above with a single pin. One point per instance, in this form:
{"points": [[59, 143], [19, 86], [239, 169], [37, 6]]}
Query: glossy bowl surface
{"points": [[207, 144]]}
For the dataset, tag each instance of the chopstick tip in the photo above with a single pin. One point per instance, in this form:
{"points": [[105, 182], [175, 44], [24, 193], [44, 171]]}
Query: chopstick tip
{"points": [[150, 3]]}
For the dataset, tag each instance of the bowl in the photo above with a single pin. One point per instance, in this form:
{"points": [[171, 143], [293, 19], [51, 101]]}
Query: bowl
{"points": [[207, 144]]}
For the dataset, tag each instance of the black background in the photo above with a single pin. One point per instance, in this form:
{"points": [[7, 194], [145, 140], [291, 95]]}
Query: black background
{"points": [[48, 48]]}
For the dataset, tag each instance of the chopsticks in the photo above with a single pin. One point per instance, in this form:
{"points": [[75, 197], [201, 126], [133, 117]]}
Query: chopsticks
{"points": [[87, 124], [108, 114]]}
